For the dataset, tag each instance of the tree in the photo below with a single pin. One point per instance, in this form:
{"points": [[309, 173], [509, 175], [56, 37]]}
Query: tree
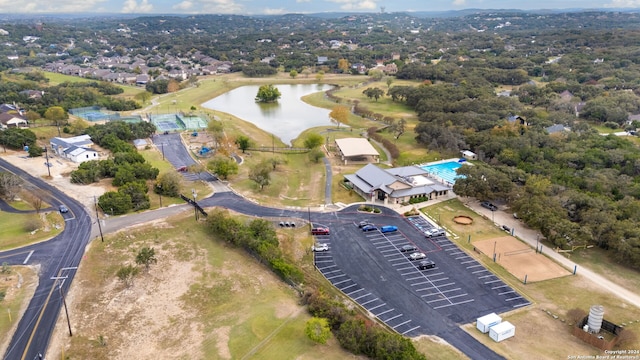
{"points": [[146, 256], [127, 273], [56, 114], [376, 74], [168, 184], [223, 166], [576, 315], [375, 93], [143, 96], [389, 82], [293, 74], [9, 185], [315, 155], [399, 128], [268, 93], [313, 140], [320, 76], [243, 143], [339, 114], [261, 174], [626, 337], [318, 330], [343, 64]]}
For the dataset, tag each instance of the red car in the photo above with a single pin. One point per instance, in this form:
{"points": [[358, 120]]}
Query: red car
{"points": [[319, 231]]}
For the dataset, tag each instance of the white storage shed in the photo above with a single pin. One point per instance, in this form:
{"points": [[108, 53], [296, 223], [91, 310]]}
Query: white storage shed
{"points": [[502, 331], [487, 321]]}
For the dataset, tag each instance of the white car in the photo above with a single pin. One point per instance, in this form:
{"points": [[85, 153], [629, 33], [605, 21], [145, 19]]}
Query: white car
{"points": [[320, 247], [434, 232], [417, 256]]}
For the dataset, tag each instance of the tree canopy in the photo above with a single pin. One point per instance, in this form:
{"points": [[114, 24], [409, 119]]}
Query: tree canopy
{"points": [[268, 93]]}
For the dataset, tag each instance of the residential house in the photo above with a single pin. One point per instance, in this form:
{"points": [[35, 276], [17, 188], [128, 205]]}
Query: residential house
{"points": [[8, 120], [557, 129]]}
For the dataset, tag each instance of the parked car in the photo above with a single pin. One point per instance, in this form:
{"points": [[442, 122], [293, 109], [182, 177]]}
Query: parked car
{"points": [[426, 264], [417, 256], [320, 231], [407, 248], [434, 232], [320, 247], [506, 228], [369, 228], [63, 209], [489, 205], [364, 223], [388, 228]]}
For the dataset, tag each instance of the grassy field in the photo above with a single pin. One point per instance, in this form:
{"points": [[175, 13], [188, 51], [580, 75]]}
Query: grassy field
{"points": [[18, 285], [13, 233]]}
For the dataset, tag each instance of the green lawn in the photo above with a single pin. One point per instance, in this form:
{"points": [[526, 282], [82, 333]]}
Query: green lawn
{"points": [[13, 233]]}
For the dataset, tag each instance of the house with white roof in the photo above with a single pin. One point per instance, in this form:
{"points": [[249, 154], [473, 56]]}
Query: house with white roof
{"points": [[77, 148], [395, 185]]}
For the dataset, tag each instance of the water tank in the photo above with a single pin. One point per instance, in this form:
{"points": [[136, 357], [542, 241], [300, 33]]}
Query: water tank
{"points": [[595, 318], [585, 328]]}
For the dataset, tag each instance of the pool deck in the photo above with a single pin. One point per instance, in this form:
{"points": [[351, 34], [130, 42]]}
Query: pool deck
{"points": [[436, 177]]}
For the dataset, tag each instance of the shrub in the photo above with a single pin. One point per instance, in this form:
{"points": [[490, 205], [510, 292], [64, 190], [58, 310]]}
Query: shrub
{"points": [[33, 223]]}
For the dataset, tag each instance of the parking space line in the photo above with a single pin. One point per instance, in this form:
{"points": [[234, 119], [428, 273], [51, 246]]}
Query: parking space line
{"points": [[394, 317], [459, 303], [326, 267], [360, 297], [384, 312], [473, 266], [457, 296], [395, 253], [523, 304], [468, 261], [456, 253], [404, 323], [354, 291], [492, 281], [443, 292], [377, 306], [392, 250], [346, 287], [462, 257], [513, 298], [498, 287], [435, 274], [407, 268], [410, 330], [332, 271], [336, 276], [340, 282], [421, 283], [479, 271], [417, 277], [441, 279], [323, 261], [370, 301], [438, 300], [426, 288], [485, 276], [399, 263], [443, 285], [506, 292]]}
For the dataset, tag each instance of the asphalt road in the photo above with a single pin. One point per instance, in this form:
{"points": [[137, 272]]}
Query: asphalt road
{"points": [[174, 151], [58, 258]]}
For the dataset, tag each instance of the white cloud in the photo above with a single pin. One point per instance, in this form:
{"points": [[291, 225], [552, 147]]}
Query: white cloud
{"points": [[184, 5], [221, 6], [49, 6], [268, 11], [356, 4], [623, 4], [132, 6], [303, 1], [459, 2]]}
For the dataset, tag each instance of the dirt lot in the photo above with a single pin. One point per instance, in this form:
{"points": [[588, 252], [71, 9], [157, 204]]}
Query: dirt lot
{"points": [[60, 171], [521, 260]]}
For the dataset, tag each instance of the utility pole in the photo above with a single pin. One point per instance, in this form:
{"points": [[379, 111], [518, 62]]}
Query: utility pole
{"points": [[66, 311], [195, 205], [162, 146], [95, 202], [46, 154]]}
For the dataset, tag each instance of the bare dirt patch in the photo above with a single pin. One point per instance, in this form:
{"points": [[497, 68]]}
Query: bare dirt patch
{"points": [[520, 260]]}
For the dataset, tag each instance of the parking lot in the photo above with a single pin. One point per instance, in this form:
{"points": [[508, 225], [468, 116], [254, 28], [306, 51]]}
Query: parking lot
{"points": [[371, 269]]}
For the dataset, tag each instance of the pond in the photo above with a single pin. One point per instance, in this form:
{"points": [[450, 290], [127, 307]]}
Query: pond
{"points": [[286, 118]]}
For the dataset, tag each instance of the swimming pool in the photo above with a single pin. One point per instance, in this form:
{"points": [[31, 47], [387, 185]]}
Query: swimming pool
{"points": [[444, 170]]}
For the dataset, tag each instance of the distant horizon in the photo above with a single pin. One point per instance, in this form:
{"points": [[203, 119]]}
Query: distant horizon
{"points": [[281, 7]]}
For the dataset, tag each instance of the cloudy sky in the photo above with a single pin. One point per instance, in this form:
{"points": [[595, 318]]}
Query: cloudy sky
{"points": [[254, 7]]}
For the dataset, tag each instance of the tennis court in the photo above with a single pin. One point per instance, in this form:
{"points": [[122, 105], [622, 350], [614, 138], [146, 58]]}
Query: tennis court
{"points": [[94, 113], [193, 122], [167, 122]]}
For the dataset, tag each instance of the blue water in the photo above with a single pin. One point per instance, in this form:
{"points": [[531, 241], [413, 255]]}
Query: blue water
{"points": [[445, 171]]}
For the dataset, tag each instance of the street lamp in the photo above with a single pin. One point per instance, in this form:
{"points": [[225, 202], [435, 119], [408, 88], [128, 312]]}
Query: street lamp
{"points": [[160, 193]]}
